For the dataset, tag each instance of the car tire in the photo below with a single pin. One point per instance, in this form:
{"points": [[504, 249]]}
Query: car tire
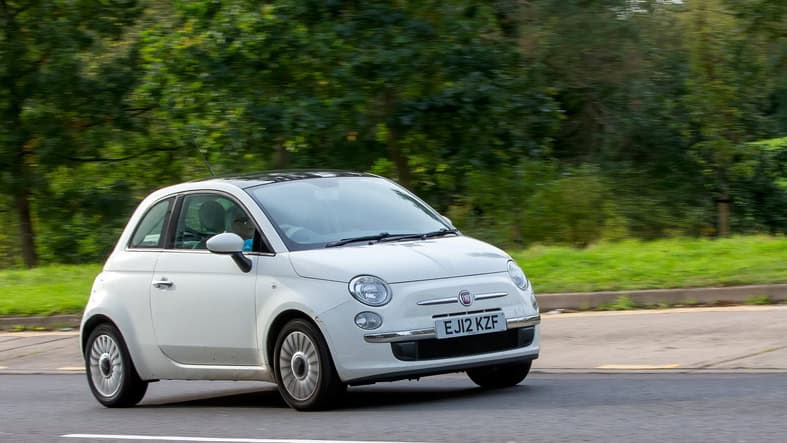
{"points": [[304, 369], [111, 374], [499, 376]]}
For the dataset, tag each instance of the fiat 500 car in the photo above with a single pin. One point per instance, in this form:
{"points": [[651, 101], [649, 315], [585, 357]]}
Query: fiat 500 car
{"points": [[313, 280]]}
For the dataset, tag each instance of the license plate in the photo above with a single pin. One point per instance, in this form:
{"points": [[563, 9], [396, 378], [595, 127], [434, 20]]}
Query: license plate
{"points": [[450, 327]]}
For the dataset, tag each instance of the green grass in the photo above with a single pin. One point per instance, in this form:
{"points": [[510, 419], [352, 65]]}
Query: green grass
{"points": [[622, 265], [673, 263], [61, 289], [622, 303], [759, 300]]}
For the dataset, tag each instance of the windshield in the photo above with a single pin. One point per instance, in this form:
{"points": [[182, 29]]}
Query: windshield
{"points": [[312, 213]]}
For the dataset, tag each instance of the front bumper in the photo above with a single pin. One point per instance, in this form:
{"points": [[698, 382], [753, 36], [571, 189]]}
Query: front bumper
{"points": [[429, 333], [407, 344]]}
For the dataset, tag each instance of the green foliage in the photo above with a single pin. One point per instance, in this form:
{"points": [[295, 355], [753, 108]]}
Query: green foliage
{"points": [[9, 248], [758, 181], [621, 303], [759, 300], [554, 122], [567, 210], [497, 200], [533, 203], [308, 84]]}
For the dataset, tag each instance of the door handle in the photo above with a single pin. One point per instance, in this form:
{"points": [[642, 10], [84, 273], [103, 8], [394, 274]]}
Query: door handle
{"points": [[162, 284]]}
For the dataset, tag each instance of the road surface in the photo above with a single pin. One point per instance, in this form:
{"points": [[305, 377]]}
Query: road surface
{"points": [[545, 408], [699, 375]]}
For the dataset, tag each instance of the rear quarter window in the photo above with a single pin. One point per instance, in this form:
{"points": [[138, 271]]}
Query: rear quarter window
{"points": [[149, 233]]}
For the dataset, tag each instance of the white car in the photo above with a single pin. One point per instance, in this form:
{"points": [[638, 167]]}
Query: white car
{"points": [[313, 280]]}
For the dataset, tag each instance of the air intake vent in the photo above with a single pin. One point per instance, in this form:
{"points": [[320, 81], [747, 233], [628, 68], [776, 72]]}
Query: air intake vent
{"points": [[432, 349]]}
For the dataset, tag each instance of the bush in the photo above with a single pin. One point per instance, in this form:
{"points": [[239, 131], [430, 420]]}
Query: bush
{"points": [[567, 210], [532, 203]]}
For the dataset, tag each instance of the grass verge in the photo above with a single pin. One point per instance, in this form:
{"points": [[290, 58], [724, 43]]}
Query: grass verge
{"points": [[630, 264], [61, 289], [673, 263]]}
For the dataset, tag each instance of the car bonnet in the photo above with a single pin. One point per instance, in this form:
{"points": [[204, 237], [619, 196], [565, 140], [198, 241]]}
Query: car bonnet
{"points": [[397, 262]]}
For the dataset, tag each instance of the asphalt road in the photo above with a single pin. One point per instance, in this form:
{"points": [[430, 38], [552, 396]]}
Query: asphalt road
{"points": [[700, 407], [742, 338]]}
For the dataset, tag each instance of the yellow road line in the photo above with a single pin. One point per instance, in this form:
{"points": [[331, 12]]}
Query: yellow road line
{"points": [[638, 367], [40, 334]]}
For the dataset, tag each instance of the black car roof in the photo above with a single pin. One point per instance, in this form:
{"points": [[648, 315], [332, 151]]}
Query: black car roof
{"points": [[250, 180]]}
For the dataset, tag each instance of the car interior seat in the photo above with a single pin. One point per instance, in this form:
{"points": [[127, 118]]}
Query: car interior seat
{"points": [[211, 217]]}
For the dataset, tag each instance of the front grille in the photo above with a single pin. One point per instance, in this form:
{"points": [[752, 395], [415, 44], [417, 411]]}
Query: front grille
{"points": [[432, 349], [457, 314]]}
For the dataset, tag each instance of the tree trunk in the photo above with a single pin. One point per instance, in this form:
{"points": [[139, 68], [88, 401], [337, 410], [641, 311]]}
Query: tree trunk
{"points": [[398, 157], [724, 215], [281, 158], [399, 160], [27, 236], [19, 169]]}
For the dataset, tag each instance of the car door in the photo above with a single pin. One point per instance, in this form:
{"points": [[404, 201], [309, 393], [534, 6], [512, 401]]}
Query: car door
{"points": [[202, 304]]}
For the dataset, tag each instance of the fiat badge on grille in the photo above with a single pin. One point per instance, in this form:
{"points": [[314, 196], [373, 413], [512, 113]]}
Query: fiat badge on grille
{"points": [[465, 297]]}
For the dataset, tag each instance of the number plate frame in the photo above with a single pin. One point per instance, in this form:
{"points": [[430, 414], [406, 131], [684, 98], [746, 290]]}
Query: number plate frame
{"points": [[473, 324]]}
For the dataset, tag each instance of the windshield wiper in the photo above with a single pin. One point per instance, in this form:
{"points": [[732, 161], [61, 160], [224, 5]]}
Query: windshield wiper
{"points": [[439, 233], [344, 241], [386, 237]]}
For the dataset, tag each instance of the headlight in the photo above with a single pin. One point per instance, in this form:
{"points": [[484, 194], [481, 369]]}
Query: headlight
{"points": [[370, 290], [517, 275]]}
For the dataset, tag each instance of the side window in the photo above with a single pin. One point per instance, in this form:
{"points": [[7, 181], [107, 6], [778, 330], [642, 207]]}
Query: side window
{"points": [[204, 215], [150, 230]]}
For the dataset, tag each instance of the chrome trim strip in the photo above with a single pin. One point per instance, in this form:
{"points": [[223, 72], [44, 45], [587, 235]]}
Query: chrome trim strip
{"points": [[523, 322], [438, 301], [423, 334], [449, 300], [489, 295], [391, 337]]}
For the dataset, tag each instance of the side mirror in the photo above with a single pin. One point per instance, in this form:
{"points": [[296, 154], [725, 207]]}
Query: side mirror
{"points": [[447, 220], [230, 244]]}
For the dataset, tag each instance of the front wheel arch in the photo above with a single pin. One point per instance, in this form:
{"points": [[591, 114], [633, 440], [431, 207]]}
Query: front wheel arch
{"points": [[276, 326]]}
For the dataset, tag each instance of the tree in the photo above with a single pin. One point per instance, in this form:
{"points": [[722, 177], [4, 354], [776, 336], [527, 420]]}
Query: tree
{"points": [[727, 99], [421, 85], [618, 69], [58, 104]]}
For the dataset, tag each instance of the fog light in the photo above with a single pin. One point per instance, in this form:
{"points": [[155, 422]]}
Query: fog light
{"points": [[368, 320]]}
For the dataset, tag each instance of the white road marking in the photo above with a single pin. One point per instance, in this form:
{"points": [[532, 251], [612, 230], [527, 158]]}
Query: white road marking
{"points": [[211, 439], [3, 367], [638, 367], [71, 368]]}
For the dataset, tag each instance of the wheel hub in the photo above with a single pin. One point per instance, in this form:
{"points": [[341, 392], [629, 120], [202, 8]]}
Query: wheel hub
{"points": [[300, 367], [105, 365]]}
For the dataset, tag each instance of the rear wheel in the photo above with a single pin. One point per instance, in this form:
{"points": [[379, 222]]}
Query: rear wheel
{"points": [[304, 369], [500, 376], [111, 375]]}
